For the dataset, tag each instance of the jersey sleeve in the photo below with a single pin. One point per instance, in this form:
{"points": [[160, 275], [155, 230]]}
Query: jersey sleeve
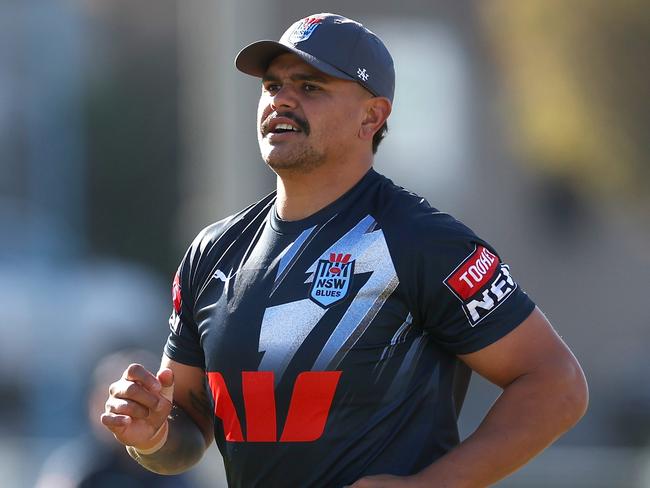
{"points": [[467, 297], [183, 343]]}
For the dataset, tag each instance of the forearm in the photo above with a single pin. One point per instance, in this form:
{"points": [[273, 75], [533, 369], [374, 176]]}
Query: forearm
{"points": [[184, 447], [530, 414]]}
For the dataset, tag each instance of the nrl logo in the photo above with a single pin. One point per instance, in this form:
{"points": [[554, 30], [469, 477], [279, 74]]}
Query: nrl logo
{"points": [[332, 279]]}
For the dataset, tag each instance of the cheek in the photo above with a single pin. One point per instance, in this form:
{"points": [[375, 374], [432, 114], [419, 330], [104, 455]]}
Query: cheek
{"points": [[344, 124], [263, 110]]}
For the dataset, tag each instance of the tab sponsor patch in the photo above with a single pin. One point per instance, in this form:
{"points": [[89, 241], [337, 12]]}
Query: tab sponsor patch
{"points": [[481, 283]]}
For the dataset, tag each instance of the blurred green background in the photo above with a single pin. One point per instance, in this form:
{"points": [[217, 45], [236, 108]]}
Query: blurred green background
{"points": [[125, 129]]}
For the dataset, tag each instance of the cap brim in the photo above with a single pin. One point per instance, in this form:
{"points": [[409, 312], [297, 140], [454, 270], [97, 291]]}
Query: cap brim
{"points": [[255, 59]]}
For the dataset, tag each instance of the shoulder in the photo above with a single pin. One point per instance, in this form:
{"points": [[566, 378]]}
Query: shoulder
{"points": [[215, 239], [408, 219], [426, 245], [214, 233]]}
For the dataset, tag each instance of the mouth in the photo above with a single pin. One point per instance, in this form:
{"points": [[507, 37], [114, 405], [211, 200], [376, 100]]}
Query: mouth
{"points": [[284, 129], [283, 126]]}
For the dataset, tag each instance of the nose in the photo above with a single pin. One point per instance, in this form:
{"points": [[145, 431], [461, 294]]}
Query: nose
{"points": [[285, 98]]}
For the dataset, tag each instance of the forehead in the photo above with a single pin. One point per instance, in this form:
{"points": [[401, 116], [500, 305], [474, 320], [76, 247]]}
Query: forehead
{"points": [[290, 63]]}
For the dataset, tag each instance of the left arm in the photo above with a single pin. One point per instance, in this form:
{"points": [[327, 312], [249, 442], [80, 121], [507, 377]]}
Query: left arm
{"points": [[544, 395]]}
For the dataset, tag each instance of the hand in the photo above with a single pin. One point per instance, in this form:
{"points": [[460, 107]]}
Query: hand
{"points": [[138, 405], [382, 481]]}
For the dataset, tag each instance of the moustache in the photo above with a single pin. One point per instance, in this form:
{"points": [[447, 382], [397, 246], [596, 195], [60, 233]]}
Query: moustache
{"points": [[302, 124]]}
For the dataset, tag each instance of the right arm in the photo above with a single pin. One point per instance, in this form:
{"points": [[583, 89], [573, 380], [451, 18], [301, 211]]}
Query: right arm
{"points": [[137, 410]]}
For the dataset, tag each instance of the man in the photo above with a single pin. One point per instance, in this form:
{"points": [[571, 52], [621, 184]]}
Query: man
{"points": [[337, 319]]}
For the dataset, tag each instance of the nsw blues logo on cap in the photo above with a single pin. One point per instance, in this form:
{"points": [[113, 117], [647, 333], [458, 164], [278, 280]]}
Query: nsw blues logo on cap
{"points": [[342, 48], [305, 28]]}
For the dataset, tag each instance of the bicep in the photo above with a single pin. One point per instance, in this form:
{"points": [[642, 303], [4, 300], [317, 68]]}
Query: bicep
{"points": [[531, 347], [191, 393]]}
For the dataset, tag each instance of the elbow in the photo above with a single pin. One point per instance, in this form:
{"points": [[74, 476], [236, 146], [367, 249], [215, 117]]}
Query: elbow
{"points": [[574, 395]]}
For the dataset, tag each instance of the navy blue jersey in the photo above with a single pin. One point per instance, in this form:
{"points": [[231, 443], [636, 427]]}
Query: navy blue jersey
{"points": [[330, 344]]}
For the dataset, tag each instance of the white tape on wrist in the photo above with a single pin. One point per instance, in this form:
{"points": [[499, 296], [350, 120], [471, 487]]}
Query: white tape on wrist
{"points": [[162, 432]]}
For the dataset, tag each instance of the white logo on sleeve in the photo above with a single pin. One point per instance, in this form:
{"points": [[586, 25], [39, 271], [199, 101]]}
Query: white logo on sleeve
{"points": [[498, 291]]}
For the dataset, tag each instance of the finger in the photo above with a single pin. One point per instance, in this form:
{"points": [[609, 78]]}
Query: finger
{"points": [[138, 373], [114, 422], [126, 407], [166, 379], [128, 390]]}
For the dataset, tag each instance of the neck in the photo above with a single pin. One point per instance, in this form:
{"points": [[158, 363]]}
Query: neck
{"points": [[300, 195]]}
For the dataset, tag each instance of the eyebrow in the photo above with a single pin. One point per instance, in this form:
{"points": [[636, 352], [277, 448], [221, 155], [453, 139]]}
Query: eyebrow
{"points": [[297, 77]]}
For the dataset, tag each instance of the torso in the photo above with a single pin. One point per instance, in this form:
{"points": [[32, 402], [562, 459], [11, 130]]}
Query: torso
{"points": [[324, 362]]}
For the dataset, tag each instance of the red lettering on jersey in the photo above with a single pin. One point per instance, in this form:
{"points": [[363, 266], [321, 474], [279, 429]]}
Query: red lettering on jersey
{"points": [[473, 273], [259, 401], [224, 408], [310, 404], [309, 408], [176, 293]]}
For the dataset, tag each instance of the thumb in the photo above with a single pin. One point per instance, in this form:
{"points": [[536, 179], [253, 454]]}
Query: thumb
{"points": [[166, 378]]}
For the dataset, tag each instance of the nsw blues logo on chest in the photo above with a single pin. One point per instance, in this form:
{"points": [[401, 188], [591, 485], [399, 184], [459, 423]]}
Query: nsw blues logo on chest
{"points": [[332, 279]]}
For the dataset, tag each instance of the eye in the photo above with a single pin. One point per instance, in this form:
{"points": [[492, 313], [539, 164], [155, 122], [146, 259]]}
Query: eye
{"points": [[308, 87], [271, 87]]}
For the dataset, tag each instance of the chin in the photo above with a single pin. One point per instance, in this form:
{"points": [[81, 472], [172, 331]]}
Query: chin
{"points": [[288, 167], [292, 163]]}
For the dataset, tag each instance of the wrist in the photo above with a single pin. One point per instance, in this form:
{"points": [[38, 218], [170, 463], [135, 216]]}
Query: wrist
{"points": [[156, 442], [442, 472]]}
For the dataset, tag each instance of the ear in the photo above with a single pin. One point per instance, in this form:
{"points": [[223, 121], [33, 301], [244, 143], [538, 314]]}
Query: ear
{"points": [[377, 111]]}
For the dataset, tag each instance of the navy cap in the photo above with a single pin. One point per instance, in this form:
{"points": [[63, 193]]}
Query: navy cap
{"points": [[333, 44]]}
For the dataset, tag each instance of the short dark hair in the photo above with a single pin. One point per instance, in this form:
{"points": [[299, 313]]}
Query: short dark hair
{"points": [[379, 135]]}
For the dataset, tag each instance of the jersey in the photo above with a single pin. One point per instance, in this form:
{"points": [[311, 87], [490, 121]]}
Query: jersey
{"points": [[330, 344]]}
